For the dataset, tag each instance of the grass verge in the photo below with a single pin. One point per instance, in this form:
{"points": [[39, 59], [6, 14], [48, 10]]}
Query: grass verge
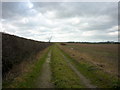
{"points": [[62, 75], [97, 76], [27, 79]]}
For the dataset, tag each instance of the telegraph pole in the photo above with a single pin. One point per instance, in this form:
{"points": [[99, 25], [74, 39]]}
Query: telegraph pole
{"points": [[50, 39]]}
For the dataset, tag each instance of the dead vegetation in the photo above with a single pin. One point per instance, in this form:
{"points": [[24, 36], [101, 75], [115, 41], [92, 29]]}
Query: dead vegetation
{"points": [[102, 56], [16, 50], [63, 43]]}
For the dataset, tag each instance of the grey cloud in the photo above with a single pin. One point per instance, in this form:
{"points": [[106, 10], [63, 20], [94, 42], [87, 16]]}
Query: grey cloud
{"points": [[61, 24], [86, 9], [11, 10]]}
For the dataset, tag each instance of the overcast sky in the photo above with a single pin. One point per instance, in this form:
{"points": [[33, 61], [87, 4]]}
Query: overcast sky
{"points": [[65, 21]]}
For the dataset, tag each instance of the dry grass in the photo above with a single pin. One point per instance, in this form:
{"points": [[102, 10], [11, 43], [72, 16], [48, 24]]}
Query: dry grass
{"points": [[17, 73], [17, 49], [104, 56]]}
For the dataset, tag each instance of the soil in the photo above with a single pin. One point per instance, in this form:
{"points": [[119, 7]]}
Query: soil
{"points": [[44, 80]]}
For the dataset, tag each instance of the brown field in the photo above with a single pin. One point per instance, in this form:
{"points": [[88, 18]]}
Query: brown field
{"points": [[104, 56]]}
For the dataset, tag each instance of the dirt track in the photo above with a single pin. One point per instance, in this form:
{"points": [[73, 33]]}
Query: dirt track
{"points": [[86, 82], [44, 80]]}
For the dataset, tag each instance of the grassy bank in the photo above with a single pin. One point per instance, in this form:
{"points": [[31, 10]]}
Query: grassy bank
{"points": [[16, 50], [96, 75], [62, 75], [27, 79]]}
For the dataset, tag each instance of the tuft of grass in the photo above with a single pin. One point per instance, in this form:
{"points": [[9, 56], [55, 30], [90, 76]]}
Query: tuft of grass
{"points": [[27, 80], [62, 75], [97, 76]]}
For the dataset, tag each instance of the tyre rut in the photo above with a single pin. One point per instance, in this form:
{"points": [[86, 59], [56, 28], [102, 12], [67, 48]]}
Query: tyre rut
{"points": [[85, 81], [44, 80]]}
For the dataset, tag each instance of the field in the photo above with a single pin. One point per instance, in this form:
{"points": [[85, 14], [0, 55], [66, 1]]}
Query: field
{"points": [[59, 65], [98, 62], [102, 55]]}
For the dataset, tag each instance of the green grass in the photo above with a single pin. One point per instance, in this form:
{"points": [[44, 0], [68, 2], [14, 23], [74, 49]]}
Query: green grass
{"points": [[62, 74], [27, 79], [97, 77]]}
